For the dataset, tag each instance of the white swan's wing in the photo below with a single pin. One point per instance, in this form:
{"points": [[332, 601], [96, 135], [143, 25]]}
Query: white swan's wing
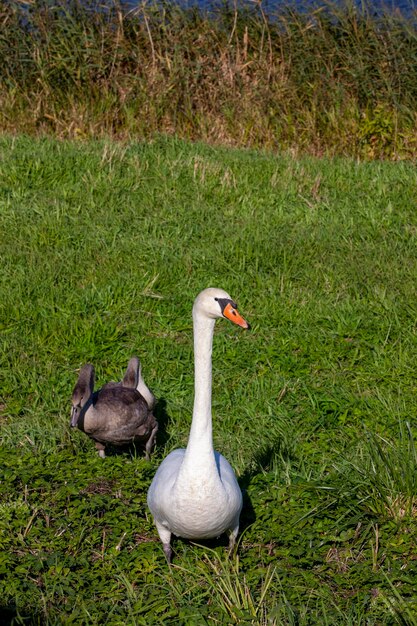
{"points": [[229, 482], [163, 482]]}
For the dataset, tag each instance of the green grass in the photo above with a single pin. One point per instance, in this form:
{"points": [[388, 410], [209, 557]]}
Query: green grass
{"points": [[335, 80], [104, 247]]}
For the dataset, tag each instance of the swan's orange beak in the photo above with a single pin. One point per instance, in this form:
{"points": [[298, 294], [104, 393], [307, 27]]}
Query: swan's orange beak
{"points": [[231, 313]]}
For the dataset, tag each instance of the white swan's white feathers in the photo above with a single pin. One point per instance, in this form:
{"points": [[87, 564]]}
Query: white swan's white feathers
{"points": [[210, 510], [194, 493]]}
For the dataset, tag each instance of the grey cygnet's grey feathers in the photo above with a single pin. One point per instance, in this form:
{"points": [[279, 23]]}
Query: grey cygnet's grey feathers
{"points": [[117, 413]]}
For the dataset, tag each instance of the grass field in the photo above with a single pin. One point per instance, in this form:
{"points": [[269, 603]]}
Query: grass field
{"points": [[103, 248]]}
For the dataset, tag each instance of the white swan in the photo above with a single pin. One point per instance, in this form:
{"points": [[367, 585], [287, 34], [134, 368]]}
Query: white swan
{"points": [[194, 493]]}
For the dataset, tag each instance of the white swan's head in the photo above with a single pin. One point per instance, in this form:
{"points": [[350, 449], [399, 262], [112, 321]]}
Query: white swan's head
{"points": [[214, 303]]}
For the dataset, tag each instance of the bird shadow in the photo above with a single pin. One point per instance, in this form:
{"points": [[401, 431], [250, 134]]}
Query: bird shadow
{"points": [[262, 461], [10, 616], [163, 418]]}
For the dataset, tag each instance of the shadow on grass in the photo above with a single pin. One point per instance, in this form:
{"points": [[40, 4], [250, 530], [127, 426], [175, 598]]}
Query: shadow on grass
{"points": [[163, 419], [264, 460], [10, 616]]}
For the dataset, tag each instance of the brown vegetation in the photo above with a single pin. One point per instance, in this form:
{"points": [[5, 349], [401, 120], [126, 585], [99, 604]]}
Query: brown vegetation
{"points": [[329, 81]]}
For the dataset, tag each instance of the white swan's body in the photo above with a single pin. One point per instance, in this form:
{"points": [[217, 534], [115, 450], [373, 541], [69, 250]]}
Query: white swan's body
{"points": [[194, 493]]}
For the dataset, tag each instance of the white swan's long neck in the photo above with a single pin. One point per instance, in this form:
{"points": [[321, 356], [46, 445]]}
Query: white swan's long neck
{"points": [[200, 442]]}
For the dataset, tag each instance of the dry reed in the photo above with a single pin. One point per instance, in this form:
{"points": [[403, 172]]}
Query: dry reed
{"points": [[336, 80]]}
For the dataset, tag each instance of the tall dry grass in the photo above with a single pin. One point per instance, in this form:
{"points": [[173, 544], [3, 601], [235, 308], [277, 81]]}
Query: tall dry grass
{"points": [[335, 80]]}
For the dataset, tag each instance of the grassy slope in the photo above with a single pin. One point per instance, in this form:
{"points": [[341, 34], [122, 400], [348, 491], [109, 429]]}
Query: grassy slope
{"points": [[103, 249]]}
